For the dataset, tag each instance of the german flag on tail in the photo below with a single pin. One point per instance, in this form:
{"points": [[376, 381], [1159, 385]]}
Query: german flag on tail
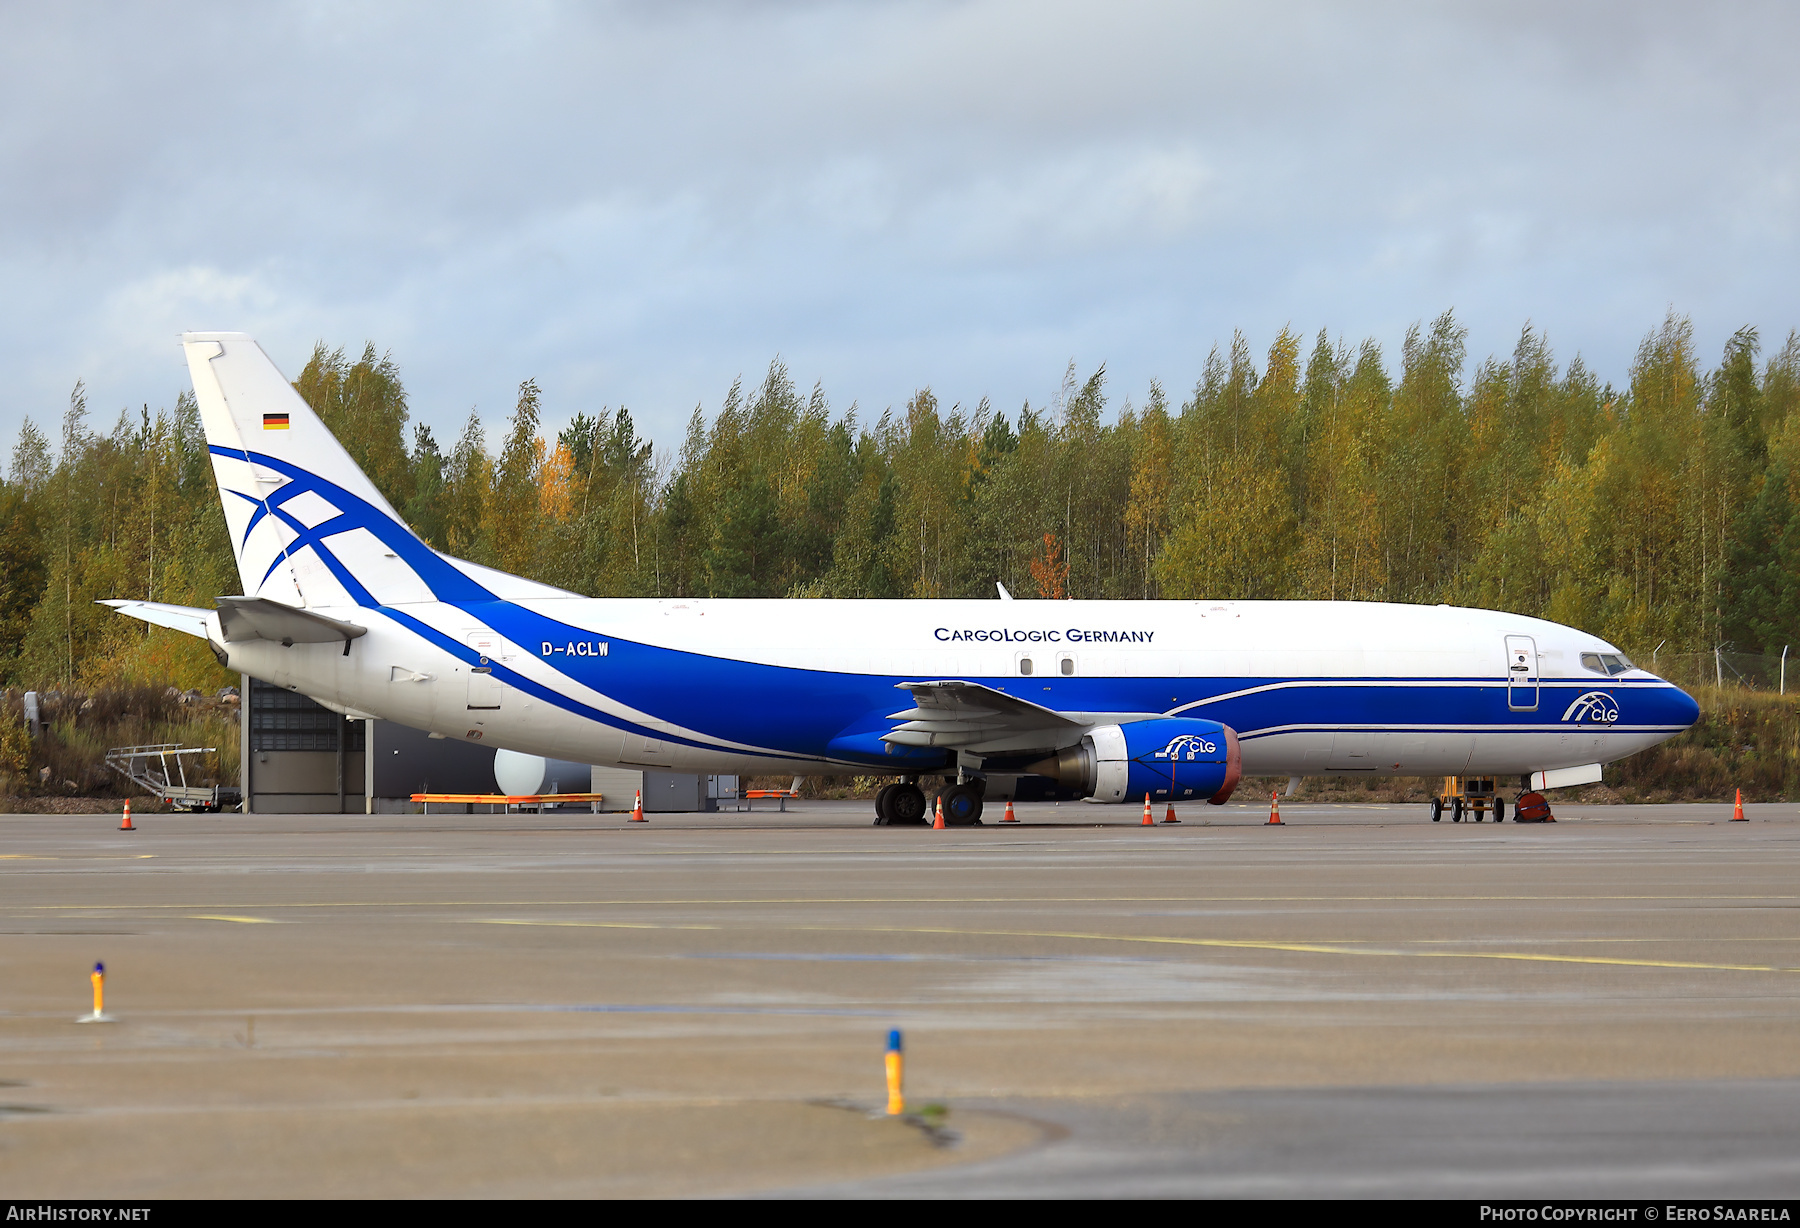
{"points": [[275, 422]]}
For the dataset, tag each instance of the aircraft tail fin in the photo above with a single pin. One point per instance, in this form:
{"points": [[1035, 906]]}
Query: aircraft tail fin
{"points": [[308, 526]]}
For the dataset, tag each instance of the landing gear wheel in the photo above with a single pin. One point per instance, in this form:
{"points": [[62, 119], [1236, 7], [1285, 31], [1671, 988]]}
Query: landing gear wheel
{"points": [[1456, 809], [1499, 809], [962, 805], [906, 806], [882, 794], [1437, 810]]}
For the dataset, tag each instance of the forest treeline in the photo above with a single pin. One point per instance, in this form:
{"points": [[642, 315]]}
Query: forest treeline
{"points": [[1663, 514]]}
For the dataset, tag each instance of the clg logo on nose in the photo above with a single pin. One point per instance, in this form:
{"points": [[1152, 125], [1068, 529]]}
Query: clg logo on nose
{"points": [[1595, 706], [1187, 746]]}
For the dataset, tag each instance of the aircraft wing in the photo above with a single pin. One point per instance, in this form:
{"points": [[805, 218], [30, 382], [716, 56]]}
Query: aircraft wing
{"points": [[967, 714], [183, 618]]}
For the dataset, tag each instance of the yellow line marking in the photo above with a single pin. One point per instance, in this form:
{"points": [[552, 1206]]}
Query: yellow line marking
{"points": [[1237, 944], [53, 857], [1659, 938], [597, 925], [1308, 948], [240, 920], [930, 899]]}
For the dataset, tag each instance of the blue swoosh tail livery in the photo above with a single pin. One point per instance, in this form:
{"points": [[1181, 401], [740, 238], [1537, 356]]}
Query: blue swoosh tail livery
{"points": [[1112, 699]]}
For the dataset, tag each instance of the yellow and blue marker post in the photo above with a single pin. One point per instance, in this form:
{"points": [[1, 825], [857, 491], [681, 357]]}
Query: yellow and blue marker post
{"points": [[99, 979], [896, 1070]]}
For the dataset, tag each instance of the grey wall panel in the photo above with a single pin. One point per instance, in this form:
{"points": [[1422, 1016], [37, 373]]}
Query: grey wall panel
{"points": [[673, 792], [300, 803], [409, 761], [617, 785], [304, 771]]}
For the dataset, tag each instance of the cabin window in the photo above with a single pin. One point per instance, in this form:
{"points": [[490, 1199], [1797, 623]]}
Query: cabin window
{"points": [[1025, 666], [1068, 667]]}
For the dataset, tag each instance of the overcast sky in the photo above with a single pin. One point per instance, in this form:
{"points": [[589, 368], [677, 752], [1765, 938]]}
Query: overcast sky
{"points": [[634, 203]]}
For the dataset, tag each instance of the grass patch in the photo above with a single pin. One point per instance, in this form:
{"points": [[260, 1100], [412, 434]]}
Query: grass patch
{"points": [[67, 761]]}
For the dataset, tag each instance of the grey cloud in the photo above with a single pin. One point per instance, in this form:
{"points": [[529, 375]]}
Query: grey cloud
{"points": [[636, 202]]}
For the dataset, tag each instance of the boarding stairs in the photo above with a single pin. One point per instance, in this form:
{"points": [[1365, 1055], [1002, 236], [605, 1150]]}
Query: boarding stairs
{"points": [[160, 770]]}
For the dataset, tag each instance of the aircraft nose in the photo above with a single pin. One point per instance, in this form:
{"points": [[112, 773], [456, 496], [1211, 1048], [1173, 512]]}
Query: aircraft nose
{"points": [[1685, 708]]}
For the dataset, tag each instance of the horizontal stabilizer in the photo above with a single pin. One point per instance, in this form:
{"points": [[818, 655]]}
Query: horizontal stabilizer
{"points": [[258, 618], [183, 618]]}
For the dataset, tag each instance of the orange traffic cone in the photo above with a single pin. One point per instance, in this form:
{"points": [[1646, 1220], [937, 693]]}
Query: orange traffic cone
{"points": [[1737, 811], [1148, 821], [1274, 810], [126, 825], [1010, 818], [938, 823], [1170, 817], [637, 809]]}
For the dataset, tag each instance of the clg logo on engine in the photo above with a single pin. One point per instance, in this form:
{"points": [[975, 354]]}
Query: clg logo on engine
{"points": [[1188, 746], [1596, 707]]}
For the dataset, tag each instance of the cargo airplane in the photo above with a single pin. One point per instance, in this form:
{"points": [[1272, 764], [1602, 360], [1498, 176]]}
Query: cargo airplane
{"points": [[1108, 700]]}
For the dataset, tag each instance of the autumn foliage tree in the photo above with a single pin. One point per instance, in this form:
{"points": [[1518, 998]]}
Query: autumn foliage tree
{"points": [[1662, 512]]}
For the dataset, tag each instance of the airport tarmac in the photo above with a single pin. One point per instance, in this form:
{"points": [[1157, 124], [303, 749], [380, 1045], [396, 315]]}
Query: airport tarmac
{"points": [[1358, 1003]]}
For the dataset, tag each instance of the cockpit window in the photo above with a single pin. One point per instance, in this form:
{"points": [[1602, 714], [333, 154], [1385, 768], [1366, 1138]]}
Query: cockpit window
{"points": [[1625, 663], [1591, 660], [1610, 663]]}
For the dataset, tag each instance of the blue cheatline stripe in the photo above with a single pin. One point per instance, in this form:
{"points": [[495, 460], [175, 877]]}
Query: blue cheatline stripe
{"points": [[534, 688], [1437, 730], [816, 706]]}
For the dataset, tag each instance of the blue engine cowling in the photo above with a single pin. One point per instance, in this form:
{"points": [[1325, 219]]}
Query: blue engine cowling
{"points": [[1170, 758]]}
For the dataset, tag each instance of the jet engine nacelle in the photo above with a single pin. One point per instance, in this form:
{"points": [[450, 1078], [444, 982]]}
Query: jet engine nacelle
{"points": [[1168, 757]]}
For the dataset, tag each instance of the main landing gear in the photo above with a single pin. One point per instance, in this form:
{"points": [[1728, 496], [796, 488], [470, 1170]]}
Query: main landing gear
{"points": [[901, 804], [904, 804], [962, 805]]}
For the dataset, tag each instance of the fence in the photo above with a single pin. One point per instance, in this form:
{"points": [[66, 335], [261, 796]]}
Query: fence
{"points": [[1746, 670]]}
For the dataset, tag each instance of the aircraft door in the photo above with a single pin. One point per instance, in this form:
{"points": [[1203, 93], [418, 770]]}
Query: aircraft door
{"points": [[485, 690], [1521, 673]]}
